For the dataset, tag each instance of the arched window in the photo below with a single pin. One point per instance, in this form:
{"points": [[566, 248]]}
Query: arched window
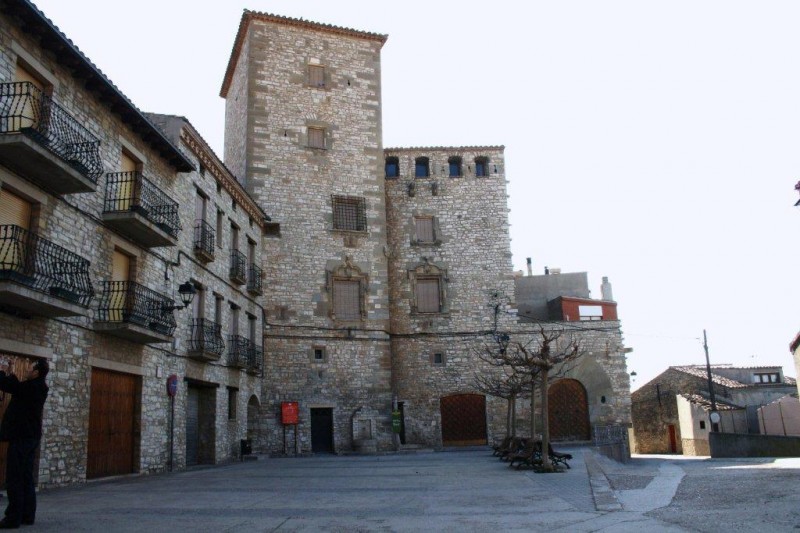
{"points": [[392, 167], [422, 167], [481, 166], [455, 166]]}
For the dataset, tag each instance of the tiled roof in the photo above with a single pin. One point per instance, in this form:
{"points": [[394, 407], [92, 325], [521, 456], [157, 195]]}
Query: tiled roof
{"points": [[444, 148], [700, 372], [705, 403], [249, 16]]}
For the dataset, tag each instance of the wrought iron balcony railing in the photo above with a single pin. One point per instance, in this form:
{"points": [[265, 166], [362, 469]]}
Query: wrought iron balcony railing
{"points": [[25, 109], [254, 279], [131, 303], [206, 336], [43, 266], [244, 353], [132, 192], [238, 267], [204, 239]]}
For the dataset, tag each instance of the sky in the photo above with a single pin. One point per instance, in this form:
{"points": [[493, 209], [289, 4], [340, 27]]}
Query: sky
{"points": [[653, 142]]}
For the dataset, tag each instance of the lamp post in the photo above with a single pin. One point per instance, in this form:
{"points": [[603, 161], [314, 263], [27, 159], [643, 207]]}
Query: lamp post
{"points": [[186, 292]]}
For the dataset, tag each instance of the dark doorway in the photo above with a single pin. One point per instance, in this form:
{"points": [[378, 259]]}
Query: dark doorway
{"points": [[200, 430], [322, 430], [463, 420], [401, 408], [673, 440], [568, 411]]}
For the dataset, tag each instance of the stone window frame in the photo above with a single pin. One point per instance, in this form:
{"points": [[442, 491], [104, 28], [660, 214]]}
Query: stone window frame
{"points": [[483, 161], [319, 141], [392, 159], [321, 71], [440, 352], [455, 160], [437, 235], [312, 354], [427, 270], [347, 271], [339, 216], [422, 160]]}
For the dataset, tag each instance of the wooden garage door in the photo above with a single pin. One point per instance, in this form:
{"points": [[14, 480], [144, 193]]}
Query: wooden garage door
{"points": [[568, 411], [113, 408], [463, 420]]}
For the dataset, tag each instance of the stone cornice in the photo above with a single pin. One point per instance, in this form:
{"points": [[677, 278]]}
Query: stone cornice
{"points": [[248, 16], [212, 164]]}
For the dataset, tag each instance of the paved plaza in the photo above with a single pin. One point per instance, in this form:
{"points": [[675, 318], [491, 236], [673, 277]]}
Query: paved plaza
{"points": [[448, 491]]}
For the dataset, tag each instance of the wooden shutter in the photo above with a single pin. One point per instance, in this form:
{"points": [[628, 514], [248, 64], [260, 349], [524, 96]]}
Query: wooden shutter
{"points": [[316, 137], [14, 210], [316, 76], [27, 109], [346, 302], [424, 229], [120, 271], [22, 74], [127, 163], [428, 295], [234, 326], [120, 266]]}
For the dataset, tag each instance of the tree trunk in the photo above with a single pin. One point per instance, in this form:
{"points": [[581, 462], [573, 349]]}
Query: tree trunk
{"points": [[546, 466], [514, 416], [509, 407], [533, 406]]}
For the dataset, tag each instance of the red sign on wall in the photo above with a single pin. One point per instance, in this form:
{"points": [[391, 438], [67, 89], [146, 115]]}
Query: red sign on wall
{"points": [[289, 413]]}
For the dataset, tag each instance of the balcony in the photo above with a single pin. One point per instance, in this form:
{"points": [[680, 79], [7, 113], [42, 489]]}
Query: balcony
{"points": [[134, 312], [41, 278], [137, 208], [40, 140], [238, 268], [203, 241], [245, 354], [254, 280], [205, 343]]}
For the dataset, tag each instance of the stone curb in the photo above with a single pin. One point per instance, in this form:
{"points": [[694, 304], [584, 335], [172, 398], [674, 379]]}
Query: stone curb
{"points": [[604, 497]]}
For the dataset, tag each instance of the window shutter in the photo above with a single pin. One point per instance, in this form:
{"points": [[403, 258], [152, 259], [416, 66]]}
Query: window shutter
{"points": [[428, 296], [14, 210], [120, 266], [346, 301], [425, 229], [316, 137], [316, 76]]}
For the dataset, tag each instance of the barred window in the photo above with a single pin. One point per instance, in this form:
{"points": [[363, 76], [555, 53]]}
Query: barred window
{"points": [[428, 295], [316, 75], [316, 137], [349, 213], [346, 302], [424, 228]]}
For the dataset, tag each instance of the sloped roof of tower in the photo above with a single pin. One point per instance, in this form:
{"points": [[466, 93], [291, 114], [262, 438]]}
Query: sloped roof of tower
{"points": [[444, 148], [248, 16]]}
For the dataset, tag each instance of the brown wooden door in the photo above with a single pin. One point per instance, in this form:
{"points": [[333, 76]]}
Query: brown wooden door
{"points": [[568, 411], [673, 441], [112, 423], [463, 420], [18, 366]]}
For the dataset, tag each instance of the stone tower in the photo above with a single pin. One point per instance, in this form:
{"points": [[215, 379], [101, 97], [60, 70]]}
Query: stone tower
{"points": [[303, 132]]}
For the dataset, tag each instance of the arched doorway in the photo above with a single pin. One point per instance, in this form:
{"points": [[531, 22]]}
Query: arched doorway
{"points": [[568, 411], [463, 420], [253, 406]]}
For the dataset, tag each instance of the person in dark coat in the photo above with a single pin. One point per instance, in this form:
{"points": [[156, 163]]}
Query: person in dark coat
{"points": [[22, 428]]}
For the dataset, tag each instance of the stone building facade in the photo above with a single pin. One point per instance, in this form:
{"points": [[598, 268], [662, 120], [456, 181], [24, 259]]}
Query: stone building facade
{"points": [[94, 243]]}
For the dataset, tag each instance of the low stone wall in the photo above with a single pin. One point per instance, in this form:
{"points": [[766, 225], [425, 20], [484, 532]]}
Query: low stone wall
{"points": [[744, 445], [695, 447]]}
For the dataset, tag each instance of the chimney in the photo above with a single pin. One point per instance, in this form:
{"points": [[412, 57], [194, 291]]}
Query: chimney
{"points": [[530, 268], [605, 290]]}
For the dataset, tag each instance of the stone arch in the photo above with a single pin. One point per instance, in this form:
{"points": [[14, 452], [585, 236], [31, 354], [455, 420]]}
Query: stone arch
{"points": [[463, 419], [568, 411], [253, 410]]}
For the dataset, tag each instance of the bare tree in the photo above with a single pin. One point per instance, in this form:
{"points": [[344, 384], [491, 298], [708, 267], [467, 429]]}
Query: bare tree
{"points": [[507, 385]]}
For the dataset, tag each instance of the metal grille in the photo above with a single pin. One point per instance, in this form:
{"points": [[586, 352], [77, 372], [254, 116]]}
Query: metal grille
{"points": [[25, 109], [424, 228], [349, 213], [129, 302], [346, 302], [428, 297], [204, 237], [43, 266], [131, 191], [244, 353], [254, 280], [206, 337], [238, 267]]}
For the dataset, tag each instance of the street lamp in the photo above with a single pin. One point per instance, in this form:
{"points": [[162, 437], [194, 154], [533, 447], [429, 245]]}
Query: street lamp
{"points": [[187, 292]]}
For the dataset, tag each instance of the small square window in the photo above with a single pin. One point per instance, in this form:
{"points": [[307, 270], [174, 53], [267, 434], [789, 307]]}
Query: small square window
{"points": [[319, 354], [438, 358], [316, 76], [316, 137], [702, 424], [349, 213]]}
